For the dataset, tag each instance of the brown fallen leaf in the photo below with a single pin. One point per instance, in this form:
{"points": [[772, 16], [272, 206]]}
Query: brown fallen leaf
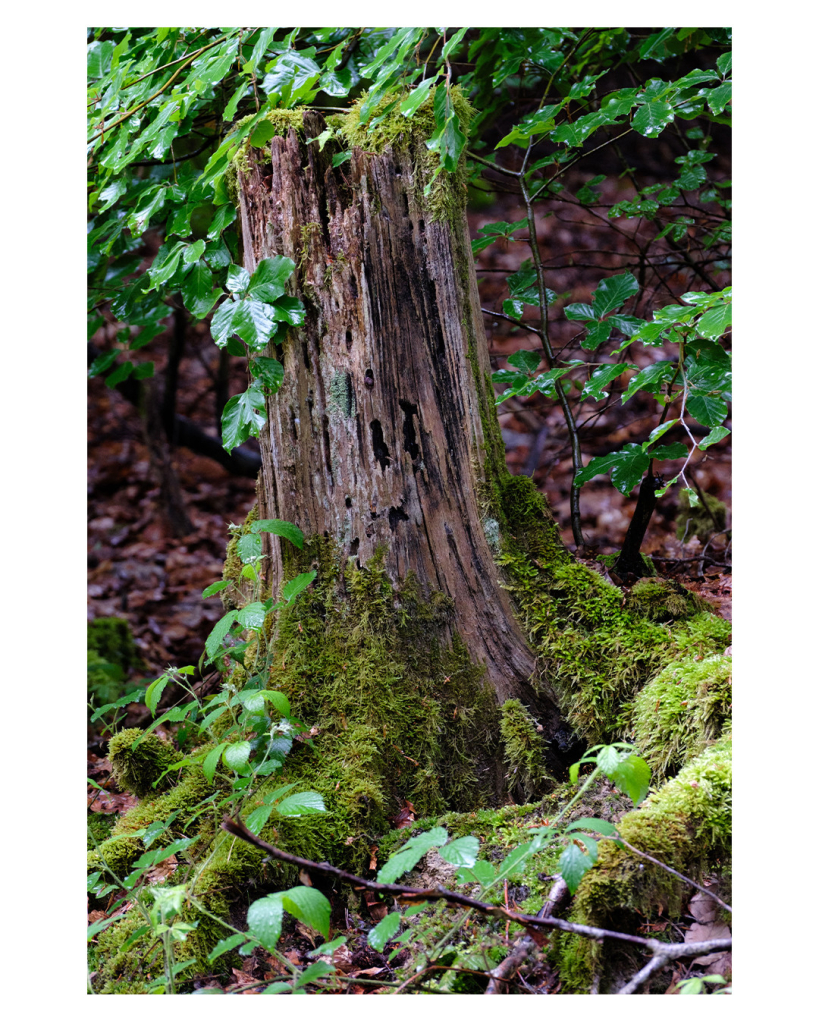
{"points": [[373, 858]]}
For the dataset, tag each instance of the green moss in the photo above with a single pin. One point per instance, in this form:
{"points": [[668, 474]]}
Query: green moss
{"points": [[442, 194], [402, 712], [99, 827], [280, 120], [597, 648], [611, 560], [138, 769], [663, 600], [687, 825], [700, 522], [681, 711], [115, 855], [523, 749], [113, 641]]}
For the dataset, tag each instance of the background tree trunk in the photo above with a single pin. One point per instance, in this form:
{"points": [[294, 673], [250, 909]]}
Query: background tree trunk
{"points": [[378, 437]]}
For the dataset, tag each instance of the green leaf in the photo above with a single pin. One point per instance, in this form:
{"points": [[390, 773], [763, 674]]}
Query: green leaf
{"points": [[310, 907], [573, 864], [211, 762], [716, 434], [626, 468], [242, 417], [719, 98], [287, 309], [154, 693], [715, 322], [219, 632], [632, 776], [237, 279], [658, 432], [198, 293], [254, 322], [692, 496], [226, 945], [419, 95], [652, 117], [602, 378], [461, 852], [264, 919], [267, 370], [236, 755], [292, 589], [669, 451], [651, 379], [525, 360], [102, 362], [249, 548], [224, 215], [579, 311], [122, 372], [482, 872], [252, 616], [410, 853], [608, 758], [612, 292], [595, 824], [281, 528], [299, 804], [517, 860], [215, 588], [596, 335], [706, 409], [724, 64], [257, 819], [269, 277], [342, 158], [379, 936]]}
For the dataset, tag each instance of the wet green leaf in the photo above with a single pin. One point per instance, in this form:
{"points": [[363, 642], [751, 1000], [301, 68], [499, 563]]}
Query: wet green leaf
{"points": [[379, 936]]}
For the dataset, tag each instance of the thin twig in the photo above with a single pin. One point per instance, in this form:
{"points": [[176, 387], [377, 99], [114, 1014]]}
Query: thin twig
{"points": [[546, 923], [671, 871]]}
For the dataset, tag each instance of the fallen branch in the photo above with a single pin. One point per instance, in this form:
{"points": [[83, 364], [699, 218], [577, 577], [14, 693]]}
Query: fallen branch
{"points": [[530, 922], [506, 968]]}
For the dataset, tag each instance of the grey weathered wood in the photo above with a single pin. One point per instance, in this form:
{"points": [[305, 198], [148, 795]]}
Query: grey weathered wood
{"points": [[376, 437]]}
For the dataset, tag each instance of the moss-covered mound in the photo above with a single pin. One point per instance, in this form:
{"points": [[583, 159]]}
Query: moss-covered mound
{"points": [[111, 654], [687, 825]]}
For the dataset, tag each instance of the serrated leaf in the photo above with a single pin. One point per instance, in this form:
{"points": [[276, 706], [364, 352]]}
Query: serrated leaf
{"points": [[607, 759], [256, 820], [632, 777], [715, 435], [219, 632], [281, 528], [379, 936], [264, 919], [278, 700], [410, 853], [236, 755], [573, 864], [517, 860], [292, 589], [252, 615], [249, 547], [299, 804], [309, 906], [461, 852]]}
